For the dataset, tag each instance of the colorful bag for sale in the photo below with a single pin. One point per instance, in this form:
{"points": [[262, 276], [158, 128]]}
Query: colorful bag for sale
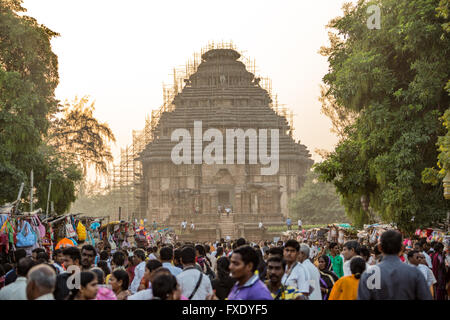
{"points": [[39, 227], [70, 232], [81, 231], [26, 237]]}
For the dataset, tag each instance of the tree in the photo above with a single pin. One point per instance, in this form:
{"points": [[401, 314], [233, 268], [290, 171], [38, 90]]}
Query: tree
{"points": [[394, 78], [80, 137], [317, 202], [28, 109], [65, 176], [28, 78], [340, 117], [432, 175]]}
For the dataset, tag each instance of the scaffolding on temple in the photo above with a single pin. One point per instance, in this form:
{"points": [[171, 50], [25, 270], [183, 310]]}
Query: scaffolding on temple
{"points": [[126, 177]]}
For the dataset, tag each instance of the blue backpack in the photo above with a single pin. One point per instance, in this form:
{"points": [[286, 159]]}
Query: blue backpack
{"points": [[26, 236]]}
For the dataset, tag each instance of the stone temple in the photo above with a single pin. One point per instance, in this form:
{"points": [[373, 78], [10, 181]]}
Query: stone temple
{"points": [[222, 94]]}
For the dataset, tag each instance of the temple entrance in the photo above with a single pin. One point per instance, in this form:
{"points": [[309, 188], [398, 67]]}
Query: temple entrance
{"points": [[224, 198]]}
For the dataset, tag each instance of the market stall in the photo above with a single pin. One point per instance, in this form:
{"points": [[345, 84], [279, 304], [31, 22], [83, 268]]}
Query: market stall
{"points": [[73, 227], [119, 234], [22, 230], [339, 233]]}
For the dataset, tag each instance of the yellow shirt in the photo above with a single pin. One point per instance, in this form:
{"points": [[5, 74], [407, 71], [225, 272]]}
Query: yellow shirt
{"points": [[346, 288]]}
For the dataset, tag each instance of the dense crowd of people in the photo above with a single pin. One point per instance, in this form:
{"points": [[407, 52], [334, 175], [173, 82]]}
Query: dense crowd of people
{"points": [[233, 270]]}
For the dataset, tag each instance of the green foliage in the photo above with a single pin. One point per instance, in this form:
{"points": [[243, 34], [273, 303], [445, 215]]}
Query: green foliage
{"points": [[28, 78], [316, 202], [394, 78], [432, 175], [80, 137]]}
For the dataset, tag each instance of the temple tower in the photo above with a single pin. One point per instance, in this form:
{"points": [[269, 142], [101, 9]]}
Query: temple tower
{"points": [[222, 94]]}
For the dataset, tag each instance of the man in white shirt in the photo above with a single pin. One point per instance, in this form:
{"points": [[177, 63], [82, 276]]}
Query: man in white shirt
{"points": [[228, 210], [260, 225], [166, 256], [193, 283], [41, 283], [313, 272], [299, 223], [18, 289], [151, 252], [139, 257], [192, 226], [147, 294], [295, 276], [417, 259], [351, 249], [419, 246]]}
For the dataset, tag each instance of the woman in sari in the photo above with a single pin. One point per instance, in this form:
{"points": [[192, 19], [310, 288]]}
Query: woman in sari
{"points": [[327, 276], [439, 271]]}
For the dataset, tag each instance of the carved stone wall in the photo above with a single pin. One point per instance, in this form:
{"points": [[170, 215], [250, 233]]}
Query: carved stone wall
{"points": [[222, 94]]}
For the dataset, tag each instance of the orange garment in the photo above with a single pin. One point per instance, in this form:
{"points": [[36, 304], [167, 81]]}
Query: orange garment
{"points": [[144, 283], [346, 288]]}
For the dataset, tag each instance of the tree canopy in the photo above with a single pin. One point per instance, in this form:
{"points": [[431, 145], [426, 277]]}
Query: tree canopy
{"points": [[32, 135], [317, 202], [395, 79], [28, 78], [80, 137]]}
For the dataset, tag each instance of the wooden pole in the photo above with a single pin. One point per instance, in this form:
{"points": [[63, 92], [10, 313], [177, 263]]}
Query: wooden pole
{"points": [[48, 198], [20, 191], [31, 191], [18, 197]]}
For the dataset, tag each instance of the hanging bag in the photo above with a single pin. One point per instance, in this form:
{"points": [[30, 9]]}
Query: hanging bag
{"points": [[81, 231], [70, 232], [4, 237], [90, 238], [11, 233], [39, 226], [35, 228], [26, 237]]}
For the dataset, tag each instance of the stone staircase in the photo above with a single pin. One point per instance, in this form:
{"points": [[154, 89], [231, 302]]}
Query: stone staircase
{"points": [[227, 226]]}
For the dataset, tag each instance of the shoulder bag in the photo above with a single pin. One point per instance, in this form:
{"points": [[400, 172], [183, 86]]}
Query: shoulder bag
{"points": [[196, 286]]}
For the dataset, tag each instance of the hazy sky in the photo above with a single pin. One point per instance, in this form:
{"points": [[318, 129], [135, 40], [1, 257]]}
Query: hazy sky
{"points": [[120, 52]]}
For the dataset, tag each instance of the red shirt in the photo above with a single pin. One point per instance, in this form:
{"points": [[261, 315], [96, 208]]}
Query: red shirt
{"points": [[130, 271]]}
